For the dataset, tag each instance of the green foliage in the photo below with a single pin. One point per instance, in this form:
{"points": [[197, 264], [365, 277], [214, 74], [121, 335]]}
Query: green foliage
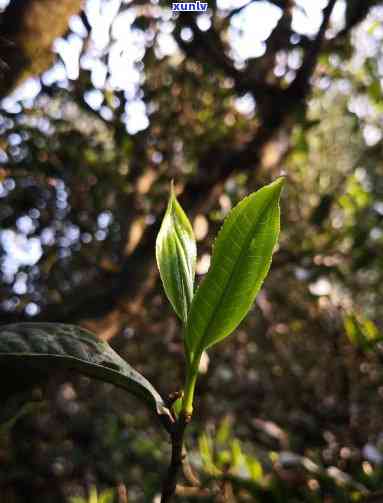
{"points": [[224, 454], [36, 349], [241, 259], [361, 331], [106, 496], [270, 476], [176, 256], [177, 406]]}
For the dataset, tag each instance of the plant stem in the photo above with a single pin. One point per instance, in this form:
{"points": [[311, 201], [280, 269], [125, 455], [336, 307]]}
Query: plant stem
{"points": [[177, 433], [187, 403], [177, 439]]}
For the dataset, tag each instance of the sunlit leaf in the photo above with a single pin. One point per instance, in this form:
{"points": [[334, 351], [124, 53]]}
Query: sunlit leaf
{"points": [[176, 257], [106, 496], [254, 468], [205, 446], [361, 331], [37, 350], [241, 259], [224, 431], [236, 453]]}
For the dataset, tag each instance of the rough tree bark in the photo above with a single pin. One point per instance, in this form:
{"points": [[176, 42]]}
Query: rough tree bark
{"points": [[28, 29]]}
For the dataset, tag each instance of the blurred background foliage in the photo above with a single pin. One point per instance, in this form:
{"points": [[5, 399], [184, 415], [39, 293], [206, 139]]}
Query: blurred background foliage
{"points": [[103, 103]]}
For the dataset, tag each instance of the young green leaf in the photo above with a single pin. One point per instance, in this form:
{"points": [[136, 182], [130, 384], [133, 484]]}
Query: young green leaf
{"points": [[36, 350], [176, 255], [241, 259]]}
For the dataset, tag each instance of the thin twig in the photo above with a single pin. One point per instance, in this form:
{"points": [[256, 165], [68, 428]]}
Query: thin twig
{"points": [[188, 472], [190, 492], [176, 462], [301, 84]]}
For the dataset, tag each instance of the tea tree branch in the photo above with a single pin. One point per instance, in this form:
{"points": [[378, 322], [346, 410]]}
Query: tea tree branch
{"points": [[177, 458], [240, 262]]}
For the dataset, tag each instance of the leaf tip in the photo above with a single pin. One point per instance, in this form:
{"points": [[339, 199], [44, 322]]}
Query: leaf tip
{"points": [[278, 183], [172, 192]]}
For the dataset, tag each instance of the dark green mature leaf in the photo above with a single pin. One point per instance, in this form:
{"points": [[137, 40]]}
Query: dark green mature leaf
{"points": [[176, 256], [37, 349], [241, 259]]}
